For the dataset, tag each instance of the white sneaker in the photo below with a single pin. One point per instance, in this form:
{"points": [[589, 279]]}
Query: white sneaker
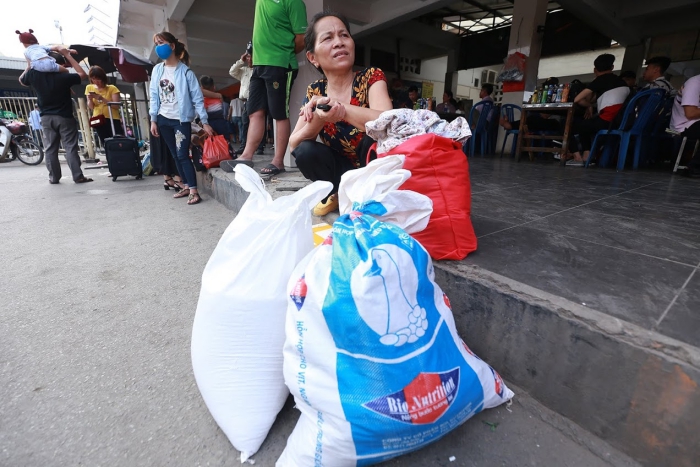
{"points": [[575, 163]]}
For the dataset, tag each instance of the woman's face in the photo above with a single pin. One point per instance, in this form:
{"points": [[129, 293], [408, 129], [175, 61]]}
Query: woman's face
{"points": [[97, 82], [159, 41], [334, 47]]}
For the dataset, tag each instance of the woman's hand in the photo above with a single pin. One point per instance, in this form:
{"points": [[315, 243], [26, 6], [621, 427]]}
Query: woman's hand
{"points": [[308, 110], [208, 129], [154, 129], [335, 114]]}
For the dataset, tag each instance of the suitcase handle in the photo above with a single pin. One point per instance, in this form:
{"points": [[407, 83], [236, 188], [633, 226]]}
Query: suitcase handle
{"points": [[121, 114]]}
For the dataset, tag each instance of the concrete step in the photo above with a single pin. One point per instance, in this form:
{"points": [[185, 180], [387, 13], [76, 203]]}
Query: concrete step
{"points": [[634, 388], [524, 434]]}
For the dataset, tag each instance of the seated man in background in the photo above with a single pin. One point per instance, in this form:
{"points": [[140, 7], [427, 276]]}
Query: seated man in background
{"points": [[608, 92], [485, 93], [630, 78], [485, 96], [446, 106], [685, 116], [654, 75], [410, 103]]}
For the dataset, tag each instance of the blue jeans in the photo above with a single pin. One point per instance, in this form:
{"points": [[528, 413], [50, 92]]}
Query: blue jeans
{"points": [[177, 137], [238, 122]]}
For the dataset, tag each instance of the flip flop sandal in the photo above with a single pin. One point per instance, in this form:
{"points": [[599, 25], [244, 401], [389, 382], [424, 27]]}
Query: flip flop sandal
{"points": [[271, 170], [228, 166], [194, 198], [182, 193]]}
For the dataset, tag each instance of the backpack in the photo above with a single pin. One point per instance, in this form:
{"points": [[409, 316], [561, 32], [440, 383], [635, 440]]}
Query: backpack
{"points": [[575, 87], [196, 154]]}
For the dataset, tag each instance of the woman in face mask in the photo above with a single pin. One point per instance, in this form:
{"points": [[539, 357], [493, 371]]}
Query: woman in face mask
{"points": [[175, 98]]}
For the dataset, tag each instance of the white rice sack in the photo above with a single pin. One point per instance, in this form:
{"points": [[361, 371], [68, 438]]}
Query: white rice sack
{"points": [[238, 330]]}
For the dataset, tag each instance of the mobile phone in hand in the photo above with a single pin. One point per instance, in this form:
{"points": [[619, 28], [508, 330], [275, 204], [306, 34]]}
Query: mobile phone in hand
{"points": [[324, 107]]}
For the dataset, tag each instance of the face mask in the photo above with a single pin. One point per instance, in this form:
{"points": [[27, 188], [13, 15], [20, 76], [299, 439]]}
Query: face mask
{"points": [[164, 51]]}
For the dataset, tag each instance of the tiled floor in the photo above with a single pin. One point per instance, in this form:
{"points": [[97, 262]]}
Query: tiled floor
{"points": [[627, 244]]}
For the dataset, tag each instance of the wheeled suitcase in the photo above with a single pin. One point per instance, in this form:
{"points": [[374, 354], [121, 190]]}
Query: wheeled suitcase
{"points": [[122, 152]]}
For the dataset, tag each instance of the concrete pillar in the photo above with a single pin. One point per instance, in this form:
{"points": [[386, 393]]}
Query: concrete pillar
{"points": [[524, 38], [451, 75], [634, 58], [179, 30], [307, 74], [528, 15], [84, 120], [142, 109]]}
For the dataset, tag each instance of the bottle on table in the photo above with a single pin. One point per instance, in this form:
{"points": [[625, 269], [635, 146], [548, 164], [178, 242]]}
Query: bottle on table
{"points": [[565, 93], [550, 94], [560, 92], [543, 98], [535, 98]]}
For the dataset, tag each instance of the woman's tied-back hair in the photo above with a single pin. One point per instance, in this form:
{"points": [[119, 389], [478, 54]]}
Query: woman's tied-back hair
{"points": [[179, 51], [310, 36]]}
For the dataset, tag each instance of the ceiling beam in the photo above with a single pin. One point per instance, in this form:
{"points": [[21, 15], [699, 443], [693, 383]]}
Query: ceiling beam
{"points": [[650, 7], [356, 12], [485, 8], [604, 17], [177, 9], [150, 3], [391, 12]]}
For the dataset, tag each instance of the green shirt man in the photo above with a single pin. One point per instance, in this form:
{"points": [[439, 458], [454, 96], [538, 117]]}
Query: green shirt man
{"points": [[277, 23]]}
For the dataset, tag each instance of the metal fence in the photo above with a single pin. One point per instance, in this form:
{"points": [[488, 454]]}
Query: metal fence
{"points": [[19, 108]]}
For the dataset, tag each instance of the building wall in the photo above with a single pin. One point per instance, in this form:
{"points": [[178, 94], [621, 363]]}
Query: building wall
{"points": [[578, 65], [432, 70], [566, 68]]}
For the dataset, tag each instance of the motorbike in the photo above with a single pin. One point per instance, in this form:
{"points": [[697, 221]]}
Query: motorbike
{"points": [[17, 143]]}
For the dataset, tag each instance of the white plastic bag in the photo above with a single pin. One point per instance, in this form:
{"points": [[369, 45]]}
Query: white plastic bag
{"points": [[238, 330], [372, 354]]}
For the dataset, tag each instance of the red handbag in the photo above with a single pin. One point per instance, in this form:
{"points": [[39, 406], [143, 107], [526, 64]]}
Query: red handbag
{"points": [[97, 120], [440, 171], [215, 151]]}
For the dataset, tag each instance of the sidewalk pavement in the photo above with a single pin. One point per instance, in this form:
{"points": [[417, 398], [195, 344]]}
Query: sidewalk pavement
{"points": [[99, 290]]}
